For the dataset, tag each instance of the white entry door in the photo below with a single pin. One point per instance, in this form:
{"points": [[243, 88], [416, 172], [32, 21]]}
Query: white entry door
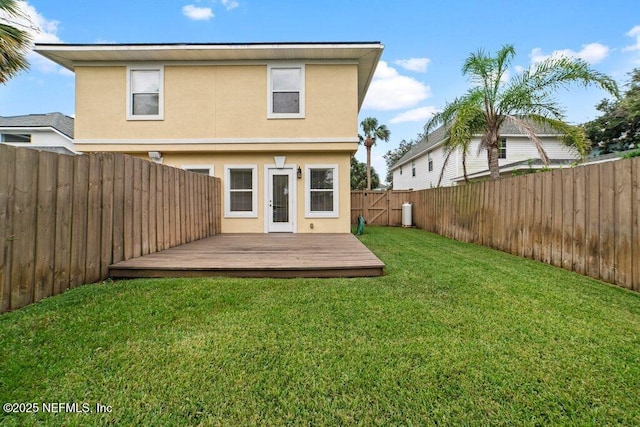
{"points": [[280, 201]]}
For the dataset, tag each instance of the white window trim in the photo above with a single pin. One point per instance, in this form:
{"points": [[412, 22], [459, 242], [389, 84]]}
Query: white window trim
{"points": [[160, 115], [190, 167], [270, 113], [502, 148], [227, 193], [307, 192]]}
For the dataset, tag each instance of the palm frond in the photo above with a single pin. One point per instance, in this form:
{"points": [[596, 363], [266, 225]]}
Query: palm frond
{"points": [[14, 42], [555, 73], [526, 127]]}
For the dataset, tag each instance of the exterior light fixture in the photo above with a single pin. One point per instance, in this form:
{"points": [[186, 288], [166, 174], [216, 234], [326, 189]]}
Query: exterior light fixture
{"points": [[299, 173]]}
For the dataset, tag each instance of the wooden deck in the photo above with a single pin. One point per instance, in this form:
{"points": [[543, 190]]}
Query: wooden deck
{"points": [[258, 255]]}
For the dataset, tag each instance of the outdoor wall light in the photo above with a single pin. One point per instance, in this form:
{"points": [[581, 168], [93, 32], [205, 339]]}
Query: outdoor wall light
{"points": [[156, 156], [299, 173]]}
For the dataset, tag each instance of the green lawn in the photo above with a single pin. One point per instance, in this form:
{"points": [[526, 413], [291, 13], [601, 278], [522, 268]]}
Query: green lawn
{"points": [[453, 334]]}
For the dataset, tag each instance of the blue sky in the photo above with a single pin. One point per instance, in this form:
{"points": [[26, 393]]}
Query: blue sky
{"points": [[425, 42]]}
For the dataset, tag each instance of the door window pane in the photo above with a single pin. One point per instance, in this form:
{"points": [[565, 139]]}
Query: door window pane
{"points": [[280, 202]]}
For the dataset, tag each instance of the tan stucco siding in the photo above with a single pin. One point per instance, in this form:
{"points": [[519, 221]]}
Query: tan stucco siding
{"points": [[341, 224], [223, 101], [100, 101]]}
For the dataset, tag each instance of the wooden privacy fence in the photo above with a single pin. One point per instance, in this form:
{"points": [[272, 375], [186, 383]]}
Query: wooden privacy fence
{"points": [[65, 219], [585, 219], [379, 207]]}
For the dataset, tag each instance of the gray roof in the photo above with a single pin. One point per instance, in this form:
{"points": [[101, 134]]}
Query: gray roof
{"points": [[617, 155], [57, 121], [440, 134]]}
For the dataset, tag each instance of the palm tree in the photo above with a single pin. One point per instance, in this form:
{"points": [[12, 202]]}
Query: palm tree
{"points": [[372, 132], [525, 100], [14, 42]]}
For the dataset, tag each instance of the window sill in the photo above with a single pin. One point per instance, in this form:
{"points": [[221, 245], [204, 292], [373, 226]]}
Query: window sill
{"points": [[144, 118], [284, 116], [321, 215]]}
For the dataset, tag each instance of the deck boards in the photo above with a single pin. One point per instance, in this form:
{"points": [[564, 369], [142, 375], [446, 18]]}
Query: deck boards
{"points": [[258, 255]]}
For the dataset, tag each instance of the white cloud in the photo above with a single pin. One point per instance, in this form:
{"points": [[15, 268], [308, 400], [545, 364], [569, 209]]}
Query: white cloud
{"points": [[230, 4], [420, 114], [414, 64], [591, 53], [391, 91], [634, 32], [42, 30], [197, 13]]}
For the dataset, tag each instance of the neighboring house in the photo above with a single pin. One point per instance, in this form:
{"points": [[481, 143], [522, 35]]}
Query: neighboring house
{"points": [[49, 132], [276, 122], [604, 158], [421, 167]]}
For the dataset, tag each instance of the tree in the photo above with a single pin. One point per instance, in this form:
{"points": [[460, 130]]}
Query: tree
{"points": [[359, 175], [14, 42], [393, 156], [372, 132], [525, 100], [618, 128]]}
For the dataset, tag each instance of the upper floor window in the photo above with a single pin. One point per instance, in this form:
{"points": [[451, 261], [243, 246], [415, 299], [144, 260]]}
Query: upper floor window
{"points": [[430, 162], [413, 168], [502, 149], [145, 93], [286, 91]]}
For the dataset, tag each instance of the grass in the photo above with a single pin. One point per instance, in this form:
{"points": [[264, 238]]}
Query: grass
{"points": [[453, 334]]}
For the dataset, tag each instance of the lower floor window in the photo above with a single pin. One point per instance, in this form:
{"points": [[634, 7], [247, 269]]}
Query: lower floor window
{"points": [[202, 169], [321, 191], [241, 191]]}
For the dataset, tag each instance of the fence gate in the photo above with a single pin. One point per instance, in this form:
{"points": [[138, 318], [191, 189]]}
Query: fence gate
{"points": [[379, 207]]}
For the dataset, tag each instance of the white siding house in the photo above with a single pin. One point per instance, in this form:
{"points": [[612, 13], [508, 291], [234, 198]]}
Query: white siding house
{"points": [[49, 132], [420, 168]]}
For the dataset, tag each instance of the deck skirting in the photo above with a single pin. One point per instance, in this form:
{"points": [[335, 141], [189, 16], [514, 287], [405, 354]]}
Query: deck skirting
{"points": [[258, 255]]}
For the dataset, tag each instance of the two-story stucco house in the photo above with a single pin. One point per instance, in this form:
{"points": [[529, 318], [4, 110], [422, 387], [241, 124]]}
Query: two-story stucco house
{"points": [[277, 122], [421, 167]]}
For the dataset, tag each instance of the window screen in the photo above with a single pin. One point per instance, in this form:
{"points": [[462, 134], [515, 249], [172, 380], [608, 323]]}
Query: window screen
{"points": [[240, 190], [285, 85], [321, 190], [145, 92]]}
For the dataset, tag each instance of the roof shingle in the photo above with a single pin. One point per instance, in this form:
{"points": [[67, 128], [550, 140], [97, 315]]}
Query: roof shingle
{"points": [[57, 121]]}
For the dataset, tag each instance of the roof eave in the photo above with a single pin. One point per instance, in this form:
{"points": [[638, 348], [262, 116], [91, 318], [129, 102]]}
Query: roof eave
{"points": [[367, 54]]}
